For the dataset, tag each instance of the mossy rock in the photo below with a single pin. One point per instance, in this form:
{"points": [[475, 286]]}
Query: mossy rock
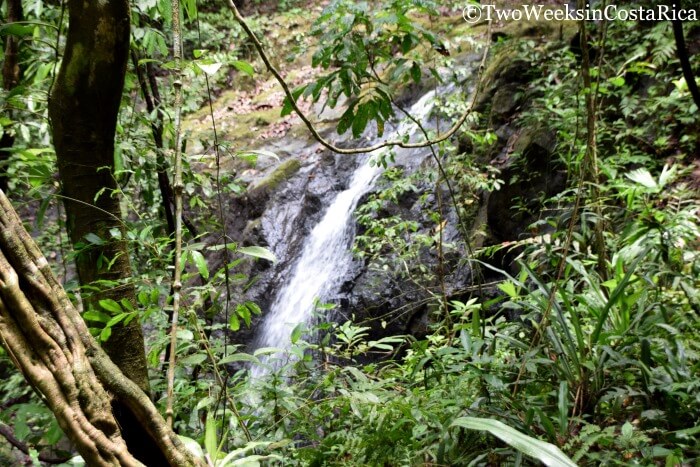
{"points": [[251, 232], [281, 173], [505, 101], [537, 145], [534, 29], [506, 66]]}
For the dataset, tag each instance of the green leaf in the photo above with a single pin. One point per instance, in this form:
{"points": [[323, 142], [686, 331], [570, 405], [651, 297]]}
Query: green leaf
{"points": [[190, 9], [126, 304], [617, 81], [183, 261], [253, 460], [415, 72], [245, 67], [105, 334], [360, 121], [165, 9], [39, 221], [193, 360], [476, 322], [21, 428], [244, 313], [111, 306], [266, 351], [253, 307], [234, 324], [643, 177], [546, 453], [97, 316], [210, 437], [239, 357], [380, 127], [116, 320], [508, 288], [345, 121], [296, 332], [380, 346], [563, 405], [406, 43], [118, 160], [53, 434], [201, 263], [258, 252], [287, 105], [94, 239], [192, 446], [667, 174], [208, 68], [247, 155], [16, 29], [616, 294], [627, 430], [248, 461]]}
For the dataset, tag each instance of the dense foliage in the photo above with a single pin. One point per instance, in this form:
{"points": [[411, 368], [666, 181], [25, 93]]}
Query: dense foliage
{"points": [[589, 346]]}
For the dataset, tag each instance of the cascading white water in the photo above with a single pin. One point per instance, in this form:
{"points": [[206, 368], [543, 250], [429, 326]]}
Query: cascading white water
{"points": [[325, 256]]}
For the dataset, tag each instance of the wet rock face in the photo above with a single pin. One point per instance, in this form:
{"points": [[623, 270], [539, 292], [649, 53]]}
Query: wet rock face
{"points": [[392, 304], [401, 301], [505, 102], [388, 300], [278, 212], [531, 174], [281, 215]]}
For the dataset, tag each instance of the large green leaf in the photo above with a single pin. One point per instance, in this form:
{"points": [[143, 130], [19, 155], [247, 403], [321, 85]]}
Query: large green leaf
{"points": [[643, 177], [258, 252], [239, 357], [245, 67], [16, 29], [545, 452], [201, 263]]}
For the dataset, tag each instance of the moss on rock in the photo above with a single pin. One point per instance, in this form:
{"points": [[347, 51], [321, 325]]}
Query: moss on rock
{"points": [[281, 173]]}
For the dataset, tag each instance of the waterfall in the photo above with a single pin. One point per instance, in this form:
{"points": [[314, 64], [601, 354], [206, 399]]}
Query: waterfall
{"points": [[325, 255]]}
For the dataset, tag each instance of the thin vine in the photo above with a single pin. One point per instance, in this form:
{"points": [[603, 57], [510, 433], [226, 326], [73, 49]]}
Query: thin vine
{"points": [[177, 192]]}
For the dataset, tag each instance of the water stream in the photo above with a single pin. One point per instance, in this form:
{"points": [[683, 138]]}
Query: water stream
{"points": [[326, 256]]}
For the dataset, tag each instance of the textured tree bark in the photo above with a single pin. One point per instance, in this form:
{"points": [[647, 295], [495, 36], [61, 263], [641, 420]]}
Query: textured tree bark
{"points": [[49, 342], [83, 107], [10, 79]]}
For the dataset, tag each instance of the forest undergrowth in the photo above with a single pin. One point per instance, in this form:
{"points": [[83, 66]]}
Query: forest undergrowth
{"points": [[580, 349]]}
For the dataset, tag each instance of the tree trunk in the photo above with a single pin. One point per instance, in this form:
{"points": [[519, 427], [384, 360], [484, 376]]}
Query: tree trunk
{"points": [[49, 342], [10, 79], [83, 107], [682, 54]]}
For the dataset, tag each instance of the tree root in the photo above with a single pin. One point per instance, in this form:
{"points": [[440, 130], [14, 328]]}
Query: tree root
{"points": [[48, 341]]}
